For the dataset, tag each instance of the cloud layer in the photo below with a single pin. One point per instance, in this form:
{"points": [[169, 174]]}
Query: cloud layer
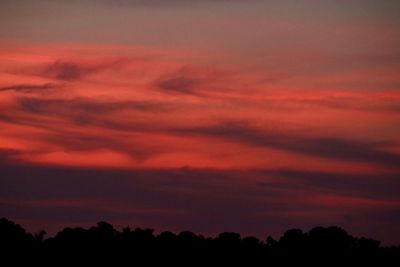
{"points": [[211, 116]]}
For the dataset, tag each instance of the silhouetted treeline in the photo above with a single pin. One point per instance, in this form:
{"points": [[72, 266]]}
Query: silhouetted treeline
{"points": [[103, 244]]}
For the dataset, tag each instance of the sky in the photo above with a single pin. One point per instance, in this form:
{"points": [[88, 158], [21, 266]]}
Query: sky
{"points": [[248, 116]]}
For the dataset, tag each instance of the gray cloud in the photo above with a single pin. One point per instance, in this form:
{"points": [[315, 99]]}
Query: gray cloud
{"points": [[201, 82], [326, 147], [200, 197], [87, 106], [7, 156], [65, 71], [87, 112], [383, 185], [257, 202], [179, 84], [30, 88], [72, 71], [347, 103]]}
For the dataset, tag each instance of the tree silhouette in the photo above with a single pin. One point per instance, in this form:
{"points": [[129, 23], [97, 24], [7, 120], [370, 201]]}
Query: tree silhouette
{"points": [[103, 244]]}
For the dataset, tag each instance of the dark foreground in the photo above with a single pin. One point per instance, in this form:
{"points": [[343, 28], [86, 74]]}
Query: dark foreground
{"points": [[103, 245]]}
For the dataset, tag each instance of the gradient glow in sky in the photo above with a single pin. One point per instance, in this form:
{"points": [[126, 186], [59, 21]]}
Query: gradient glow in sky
{"points": [[247, 116]]}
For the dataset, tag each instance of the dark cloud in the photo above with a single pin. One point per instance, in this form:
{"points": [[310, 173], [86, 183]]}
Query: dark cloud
{"points": [[326, 147], [199, 197], [87, 106], [67, 71], [71, 71], [87, 142], [383, 185], [189, 80], [7, 156], [40, 112], [346, 103], [84, 111], [9, 118], [178, 84], [91, 111], [30, 88], [257, 202]]}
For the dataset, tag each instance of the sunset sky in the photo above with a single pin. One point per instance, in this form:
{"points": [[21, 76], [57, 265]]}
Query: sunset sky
{"points": [[215, 115]]}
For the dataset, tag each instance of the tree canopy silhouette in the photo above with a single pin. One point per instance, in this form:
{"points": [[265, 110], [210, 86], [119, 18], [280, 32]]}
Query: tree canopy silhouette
{"points": [[102, 244]]}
